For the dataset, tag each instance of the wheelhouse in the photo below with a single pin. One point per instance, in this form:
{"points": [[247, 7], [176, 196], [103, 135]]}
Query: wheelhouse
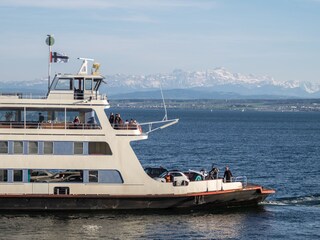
{"points": [[82, 86], [78, 87]]}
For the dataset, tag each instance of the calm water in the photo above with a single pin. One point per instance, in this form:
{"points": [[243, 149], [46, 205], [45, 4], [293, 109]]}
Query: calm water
{"points": [[277, 150]]}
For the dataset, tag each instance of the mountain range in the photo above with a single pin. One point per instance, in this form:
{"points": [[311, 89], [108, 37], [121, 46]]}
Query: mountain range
{"points": [[217, 83], [179, 84]]}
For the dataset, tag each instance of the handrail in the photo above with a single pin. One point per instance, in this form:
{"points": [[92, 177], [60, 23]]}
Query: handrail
{"points": [[49, 125], [76, 95], [166, 124], [242, 179], [125, 126]]}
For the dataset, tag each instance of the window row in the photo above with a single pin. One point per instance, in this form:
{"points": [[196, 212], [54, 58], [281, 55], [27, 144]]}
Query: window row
{"points": [[47, 118], [52, 176], [56, 148]]}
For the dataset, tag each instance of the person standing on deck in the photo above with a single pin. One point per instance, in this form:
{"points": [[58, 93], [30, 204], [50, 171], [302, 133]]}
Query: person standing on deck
{"points": [[111, 119], [227, 175], [41, 118]]}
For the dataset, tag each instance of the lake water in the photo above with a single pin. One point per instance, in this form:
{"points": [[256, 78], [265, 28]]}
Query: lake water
{"points": [[276, 150]]}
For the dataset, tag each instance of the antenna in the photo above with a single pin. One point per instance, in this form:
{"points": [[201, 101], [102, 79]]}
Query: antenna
{"points": [[84, 67], [165, 118]]}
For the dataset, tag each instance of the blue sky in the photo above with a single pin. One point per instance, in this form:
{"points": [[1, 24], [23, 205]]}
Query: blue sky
{"points": [[279, 38]]}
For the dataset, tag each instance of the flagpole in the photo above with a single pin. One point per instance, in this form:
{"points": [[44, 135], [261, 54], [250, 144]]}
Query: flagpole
{"points": [[49, 68], [50, 42]]}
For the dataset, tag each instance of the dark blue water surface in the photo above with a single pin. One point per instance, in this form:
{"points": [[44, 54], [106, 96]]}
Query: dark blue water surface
{"points": [[276, 150]]}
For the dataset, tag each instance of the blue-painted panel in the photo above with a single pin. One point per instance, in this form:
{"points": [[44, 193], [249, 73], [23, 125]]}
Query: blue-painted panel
{"points": [[63, 148], [40, 148]]}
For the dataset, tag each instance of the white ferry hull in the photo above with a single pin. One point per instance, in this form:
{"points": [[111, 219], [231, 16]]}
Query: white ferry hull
{"points": [[206, 200]]}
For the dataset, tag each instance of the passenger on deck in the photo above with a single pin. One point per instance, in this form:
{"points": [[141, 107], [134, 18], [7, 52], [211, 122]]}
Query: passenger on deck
{"points": [[126, 124], [132, 124], [111, 119], [118, 121], [76, 120], [227, 175], [213, 174], [41, 118], [198, 178]]}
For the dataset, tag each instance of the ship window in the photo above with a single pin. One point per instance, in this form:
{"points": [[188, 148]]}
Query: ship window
{"points": [[99, 148], [88, 84], [17, 175], [18, 147], [109, 176], [48, 148], [33, 117], [93, 176], [3, 175], [3, 147], [63, 148], [78, 147], [64, 84], [96, 84], [71, 114], [33, 147], [9, 115]]}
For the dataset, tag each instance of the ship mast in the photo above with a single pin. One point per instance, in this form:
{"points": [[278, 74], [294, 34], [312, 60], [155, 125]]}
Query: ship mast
{"points": [[49, 42]]}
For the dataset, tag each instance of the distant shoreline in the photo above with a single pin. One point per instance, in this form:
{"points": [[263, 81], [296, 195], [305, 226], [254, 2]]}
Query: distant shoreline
{"points": [[282, 105]]}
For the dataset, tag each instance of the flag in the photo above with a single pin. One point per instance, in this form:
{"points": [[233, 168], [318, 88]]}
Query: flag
{"points": [[58, 57]]}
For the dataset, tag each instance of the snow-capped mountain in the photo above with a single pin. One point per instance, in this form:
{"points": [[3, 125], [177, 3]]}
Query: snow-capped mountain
{"points": [[210, 82], [219, 79]]}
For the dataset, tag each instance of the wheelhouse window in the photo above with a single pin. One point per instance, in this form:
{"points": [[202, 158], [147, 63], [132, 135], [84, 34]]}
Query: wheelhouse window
{"points": [[17, 176], [64, 84], [78, 147], [3, 147], [33, 147], [96, 83], [48, 147], [3, 175], [17, 147], [88, 84], [99, 148]]}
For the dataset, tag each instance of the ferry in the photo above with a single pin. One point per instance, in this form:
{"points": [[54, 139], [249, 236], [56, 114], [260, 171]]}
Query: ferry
{"points": [[63, 152]]}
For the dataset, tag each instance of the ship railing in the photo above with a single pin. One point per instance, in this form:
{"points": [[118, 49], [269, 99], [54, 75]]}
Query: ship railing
{"points": [[81, 126], [15, 125], [20, 95], [93, 96], [52, 125], [242, 179], [158, 125], [134, 126], [83, 96]]}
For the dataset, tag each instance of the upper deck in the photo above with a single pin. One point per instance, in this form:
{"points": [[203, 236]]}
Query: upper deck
{"points": [[69, 96], [65, 89]]}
